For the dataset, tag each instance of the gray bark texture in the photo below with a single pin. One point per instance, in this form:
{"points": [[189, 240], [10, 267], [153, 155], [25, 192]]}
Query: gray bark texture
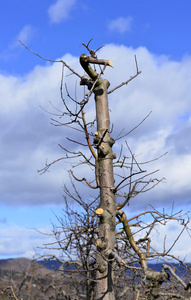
{"points": [[106, 233]]}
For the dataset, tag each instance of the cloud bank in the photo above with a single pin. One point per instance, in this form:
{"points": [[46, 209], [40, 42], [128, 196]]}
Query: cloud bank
{"points": [[28, 241], [27, 138]]}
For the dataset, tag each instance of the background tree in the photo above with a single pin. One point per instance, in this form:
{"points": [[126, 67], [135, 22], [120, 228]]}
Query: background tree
{"points": [[105, 251]]}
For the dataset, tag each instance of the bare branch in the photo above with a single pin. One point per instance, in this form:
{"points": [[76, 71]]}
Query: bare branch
{"points": [[83, 179], [50, 60], [133, 128], [130, 79]]}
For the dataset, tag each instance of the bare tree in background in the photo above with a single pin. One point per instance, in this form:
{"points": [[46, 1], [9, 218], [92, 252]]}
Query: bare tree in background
{"points": [[109, 250]]}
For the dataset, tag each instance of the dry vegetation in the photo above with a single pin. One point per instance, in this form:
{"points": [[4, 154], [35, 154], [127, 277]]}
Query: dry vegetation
{"points": [[23, 279], [28, 280]]}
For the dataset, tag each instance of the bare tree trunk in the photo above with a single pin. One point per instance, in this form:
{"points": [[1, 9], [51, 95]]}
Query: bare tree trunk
{"points": [[104, 164], [106, 239]]}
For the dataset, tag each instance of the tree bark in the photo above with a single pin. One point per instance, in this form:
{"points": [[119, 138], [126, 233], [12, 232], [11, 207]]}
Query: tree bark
{"points": [[106, 240], [103, 142]]}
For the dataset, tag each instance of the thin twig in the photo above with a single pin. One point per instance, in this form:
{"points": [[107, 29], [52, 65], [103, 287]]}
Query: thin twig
{"points": [[50, 60]]}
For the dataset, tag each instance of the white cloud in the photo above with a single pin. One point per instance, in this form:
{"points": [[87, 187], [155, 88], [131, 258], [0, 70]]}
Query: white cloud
{"points": [[26, 34], [120, 24], [18, 241], [60, 10], [30, 125]]}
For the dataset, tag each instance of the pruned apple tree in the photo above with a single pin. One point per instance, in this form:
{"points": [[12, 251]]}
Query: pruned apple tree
{"points": [[108, 252]]}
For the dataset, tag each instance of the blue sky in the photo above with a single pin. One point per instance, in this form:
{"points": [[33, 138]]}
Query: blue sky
{"points": [[160, 26], [158, 32]]}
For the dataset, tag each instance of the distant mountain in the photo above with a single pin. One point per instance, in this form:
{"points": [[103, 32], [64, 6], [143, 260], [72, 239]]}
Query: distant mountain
{"points": [[50, 264], [22, 265], [179, 269], [41, 267]]}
